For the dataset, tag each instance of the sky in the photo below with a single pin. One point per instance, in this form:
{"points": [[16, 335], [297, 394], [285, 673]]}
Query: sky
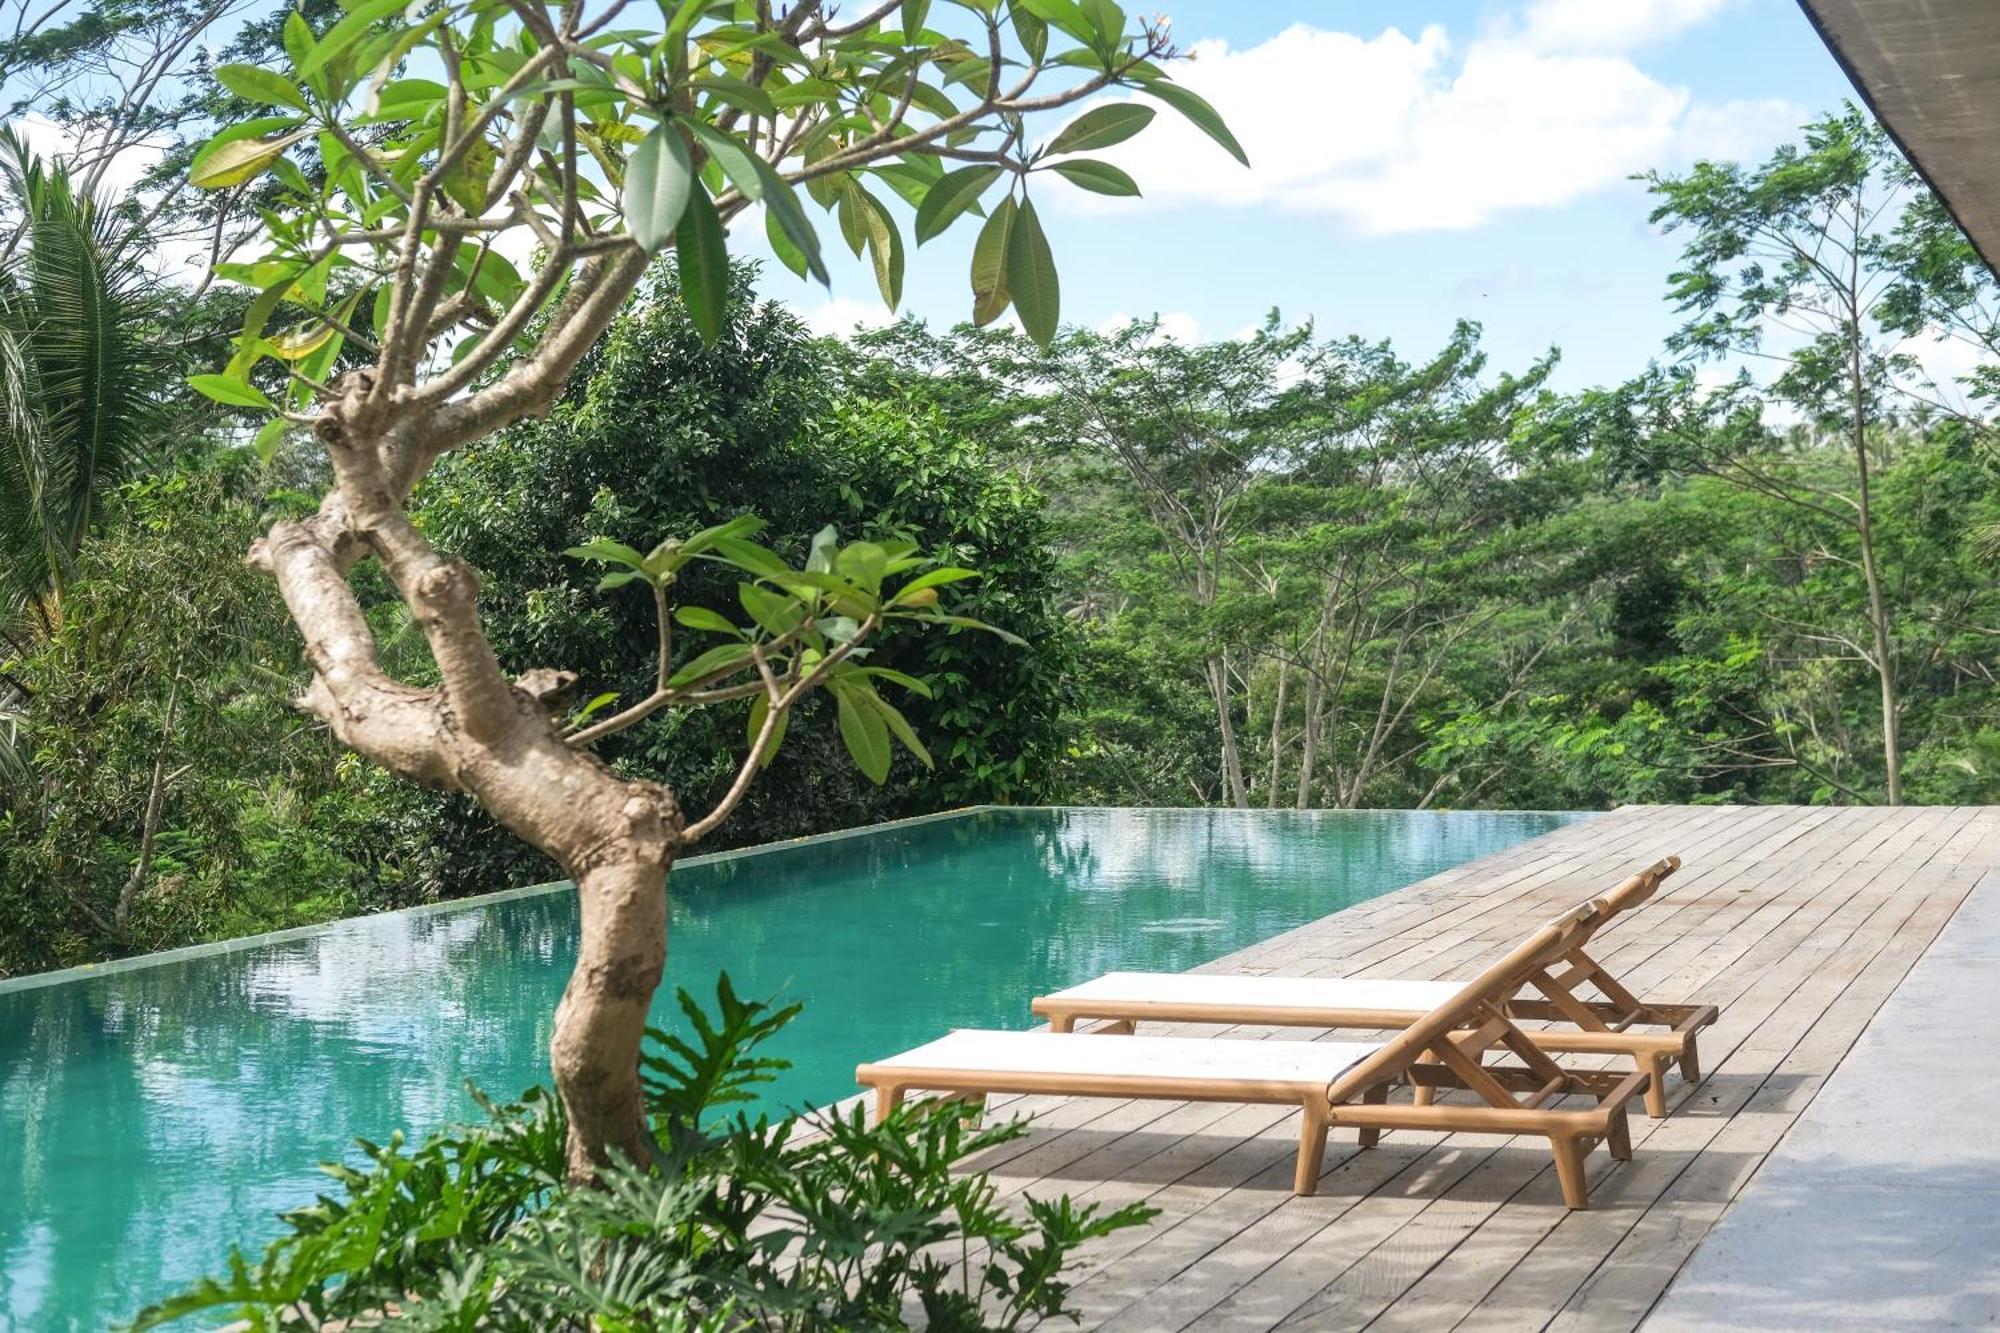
{"points": [[1411, 164]]}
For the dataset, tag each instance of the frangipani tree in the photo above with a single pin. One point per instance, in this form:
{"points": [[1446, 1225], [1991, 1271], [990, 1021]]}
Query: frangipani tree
{"points": [[472, 189]]}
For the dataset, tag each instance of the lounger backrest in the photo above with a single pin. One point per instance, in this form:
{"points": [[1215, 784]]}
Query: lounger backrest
{"points": [[1634, 892], [1493, 988]]}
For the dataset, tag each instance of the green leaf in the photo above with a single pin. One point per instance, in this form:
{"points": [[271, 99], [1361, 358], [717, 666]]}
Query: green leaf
{"points": [[229, 390], [703, 257], [862, 563], [407, 99], [595, 706], [783, 205], [1103, 127], [743, 525], [967, 622], [735, 92], [298, 37], [932, 579], [260, 85], [606, 551], [775, 613], [738, 163], [1097, 177], [865, 733], [954, 193], [900, 727], [1032, 32], [747, 555], [266, 443], [1031, 277], [990, 297], [1065, 15], [351, 29], [238, 160], [658, 180], [907, 681], [788, 254], [819, 558], [885, 247], [715, 660], [1201, 113], [701, 618]]}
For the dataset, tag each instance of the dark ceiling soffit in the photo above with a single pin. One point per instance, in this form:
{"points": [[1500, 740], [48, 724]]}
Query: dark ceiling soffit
{"points": [[1811, 9]]}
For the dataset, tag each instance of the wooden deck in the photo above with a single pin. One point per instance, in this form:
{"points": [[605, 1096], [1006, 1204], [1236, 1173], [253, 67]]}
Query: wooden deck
{"points": [[1797, 921]]}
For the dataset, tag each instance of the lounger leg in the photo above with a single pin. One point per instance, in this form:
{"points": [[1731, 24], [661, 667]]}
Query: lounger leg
{"points": [[1375, 1096], [971, 1105], [1124, 1027], [1425, 1094], [1569, 1170], [1063, 1023], [1312, 1151], [1691, 1062], [1656, 1084], [1618, 1136], [887, 1098]]}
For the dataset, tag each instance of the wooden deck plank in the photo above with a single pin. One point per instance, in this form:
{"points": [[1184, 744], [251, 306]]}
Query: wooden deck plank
{"points": [[1609, 856], [1799, 921], [1367, 1286], [1200, 1292]]}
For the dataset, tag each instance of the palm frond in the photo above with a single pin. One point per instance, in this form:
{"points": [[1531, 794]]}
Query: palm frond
{"points": [[79, 373]]}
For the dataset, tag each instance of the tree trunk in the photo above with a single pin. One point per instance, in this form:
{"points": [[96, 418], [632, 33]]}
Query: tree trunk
{"points": [[493, 737], [1278, 732], [149, 828], [1232, 757], [1878, 612], [601, 1022], [1885, 661], [1309, 744]]}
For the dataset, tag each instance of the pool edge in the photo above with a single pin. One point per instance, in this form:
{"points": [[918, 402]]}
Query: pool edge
{"points": [[214, 948]]}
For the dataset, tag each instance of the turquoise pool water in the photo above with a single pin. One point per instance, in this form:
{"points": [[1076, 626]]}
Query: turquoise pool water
{"points": [[150, 1115]]}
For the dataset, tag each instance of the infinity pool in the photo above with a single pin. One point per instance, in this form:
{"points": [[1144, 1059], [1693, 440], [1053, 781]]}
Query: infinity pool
{"points": [[152, 1113]]}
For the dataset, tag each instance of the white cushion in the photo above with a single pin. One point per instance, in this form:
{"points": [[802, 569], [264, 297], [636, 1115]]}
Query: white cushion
{"points": [[975, 1050], [1210, 989]]}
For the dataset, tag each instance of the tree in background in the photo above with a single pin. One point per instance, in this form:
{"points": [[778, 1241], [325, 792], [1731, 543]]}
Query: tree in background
{"points": [[539, 123], [660, 431], [1815, 262], [171, 797], [1392, 540]]}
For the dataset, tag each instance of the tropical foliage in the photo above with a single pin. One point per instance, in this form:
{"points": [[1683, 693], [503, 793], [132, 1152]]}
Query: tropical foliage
{"points": [[81, 376], [813, 1223]]}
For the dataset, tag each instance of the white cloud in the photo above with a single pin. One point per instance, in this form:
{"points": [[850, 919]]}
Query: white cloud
{"points": [[1602, 26], [1942, 361], [841, 316], [1399, 133], [49, 140], [1738, 128]]}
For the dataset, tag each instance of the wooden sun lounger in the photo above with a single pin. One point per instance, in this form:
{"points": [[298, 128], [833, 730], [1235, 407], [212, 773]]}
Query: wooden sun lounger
{"points": [[1332, 1083], [1609, 1025]]}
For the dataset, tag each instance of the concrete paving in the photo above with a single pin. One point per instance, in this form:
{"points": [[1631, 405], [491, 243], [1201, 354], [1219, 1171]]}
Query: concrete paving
{"points": [[1880, 1209]]}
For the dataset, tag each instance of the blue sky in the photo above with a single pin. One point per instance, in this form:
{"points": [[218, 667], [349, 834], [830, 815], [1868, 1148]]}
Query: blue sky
{"points": [[1412, 164]]}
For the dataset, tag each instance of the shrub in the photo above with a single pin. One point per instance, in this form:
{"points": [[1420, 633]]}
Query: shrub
{"points": [[804, 1222]]}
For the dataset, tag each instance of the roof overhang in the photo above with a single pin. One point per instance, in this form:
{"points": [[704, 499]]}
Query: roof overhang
{"points": [[1930, 71]]}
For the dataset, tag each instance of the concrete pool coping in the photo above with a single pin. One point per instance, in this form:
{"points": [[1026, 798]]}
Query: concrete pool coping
{"points": [[241, 943], [1880, 1208]]}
